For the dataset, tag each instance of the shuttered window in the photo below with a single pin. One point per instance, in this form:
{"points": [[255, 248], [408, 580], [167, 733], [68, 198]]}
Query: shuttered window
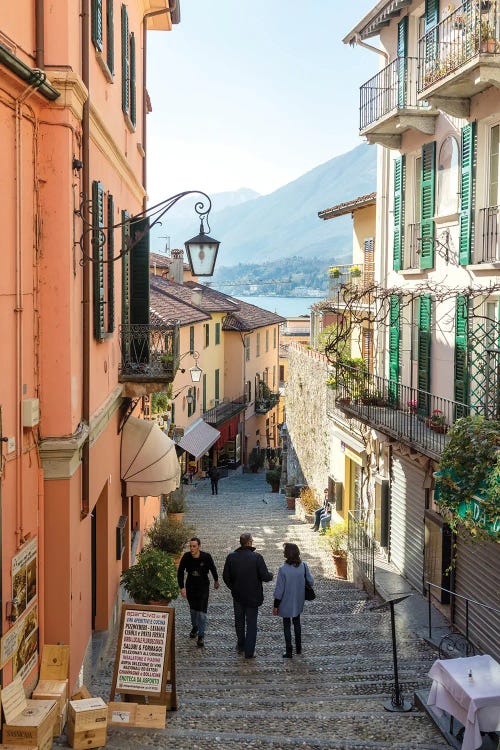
{"points": [[204, 392], [394, 335], [125, 270], [258, 345], [424, 346], [139, 272], [98, 241], [402, 61], [110, 265], [133, 98], [399, 212], [110, 37], [217, 386], [431, 40], [125, 61], [247, 348], [427, 205], [96, 24], [461, 364], [217, 333], [191, 339], [467, 154]]}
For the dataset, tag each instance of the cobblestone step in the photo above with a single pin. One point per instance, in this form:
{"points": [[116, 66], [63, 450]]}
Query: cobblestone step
{"points": [[330, 698]]}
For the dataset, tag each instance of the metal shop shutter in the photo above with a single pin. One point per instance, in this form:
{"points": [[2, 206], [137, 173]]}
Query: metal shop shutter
{"points": [[407, 521], [477, 576]]}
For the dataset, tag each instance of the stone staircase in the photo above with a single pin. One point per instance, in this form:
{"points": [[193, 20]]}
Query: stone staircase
{"points": [[329, 697]]}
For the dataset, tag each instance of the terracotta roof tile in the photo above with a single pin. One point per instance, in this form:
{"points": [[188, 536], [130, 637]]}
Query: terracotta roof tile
{"points": [[348, 206]]}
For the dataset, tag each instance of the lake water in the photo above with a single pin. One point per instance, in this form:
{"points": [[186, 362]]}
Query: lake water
{"points": [[288, 307]]}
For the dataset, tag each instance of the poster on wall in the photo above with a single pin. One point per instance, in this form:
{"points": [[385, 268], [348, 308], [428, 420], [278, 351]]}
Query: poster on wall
{"points": [[142, 651], [20, 643], [24, 583]]}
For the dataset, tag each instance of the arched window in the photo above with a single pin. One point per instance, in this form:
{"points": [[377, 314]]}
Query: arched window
{"points": [[448, 176]]}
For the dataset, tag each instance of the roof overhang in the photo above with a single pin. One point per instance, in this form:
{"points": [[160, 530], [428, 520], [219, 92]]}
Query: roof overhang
{"points": [[348, 207], [376, 19], [167, 12]]}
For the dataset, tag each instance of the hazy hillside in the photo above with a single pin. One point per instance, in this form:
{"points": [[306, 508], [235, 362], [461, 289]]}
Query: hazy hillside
{"points": [[285, 223]]}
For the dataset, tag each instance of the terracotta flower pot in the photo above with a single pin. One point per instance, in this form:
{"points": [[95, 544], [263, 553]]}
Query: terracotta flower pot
{"points": [[175, 517], [340, 563], [290, 503]]}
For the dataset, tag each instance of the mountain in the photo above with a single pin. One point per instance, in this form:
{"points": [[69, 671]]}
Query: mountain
{"points": [[285, 223]]}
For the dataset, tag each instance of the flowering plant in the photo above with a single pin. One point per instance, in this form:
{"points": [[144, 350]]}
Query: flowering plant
{"points": [[412, 406], [334, 271], [437, 417], [355, 271]]}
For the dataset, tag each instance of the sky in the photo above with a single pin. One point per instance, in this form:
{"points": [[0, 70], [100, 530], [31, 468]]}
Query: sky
{"points": [[252, 94]]}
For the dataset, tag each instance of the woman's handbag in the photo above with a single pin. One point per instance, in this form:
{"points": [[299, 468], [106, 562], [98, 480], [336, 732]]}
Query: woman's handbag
{"points": [[310, 594]]}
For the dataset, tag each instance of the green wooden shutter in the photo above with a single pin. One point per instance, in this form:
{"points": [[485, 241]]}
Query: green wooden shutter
{"points": [[431, 50], [399, 212], [427, 193], [133, 96], [217, 333], [191, 339], [467, 153], [110, 37], [217, 392], [424, 354], [125, 62], [461, 365], [110, 263], [402, 62], [194, 398], [96, 24], [125, 270], [431, 14], [139, 271], [204, 391], [98, 239], [394, 330]]}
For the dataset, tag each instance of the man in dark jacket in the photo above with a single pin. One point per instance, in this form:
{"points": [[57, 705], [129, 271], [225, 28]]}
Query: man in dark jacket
{"points": [[244, 572], [213, 473]]}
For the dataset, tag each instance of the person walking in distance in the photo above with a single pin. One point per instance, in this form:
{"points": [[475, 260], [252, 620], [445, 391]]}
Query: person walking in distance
{"points": [[213, 473], [198, 565], [244, 572], [289, 596]]}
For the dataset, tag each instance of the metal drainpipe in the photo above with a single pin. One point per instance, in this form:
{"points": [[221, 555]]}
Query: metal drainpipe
{"points": [[86, 275], [144, 68], [39, 34], [371, 48]]}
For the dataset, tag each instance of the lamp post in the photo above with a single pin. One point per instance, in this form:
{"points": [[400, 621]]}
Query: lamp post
{"points": [[396, 703]]}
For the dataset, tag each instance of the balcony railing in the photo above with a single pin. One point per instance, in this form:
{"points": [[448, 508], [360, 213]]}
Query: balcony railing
{"points": [[355, 276], [149, 353], [263, 404], [471, 30], [411, 257], [393, 88], [487, 248], [225, 410], [411, 415]]}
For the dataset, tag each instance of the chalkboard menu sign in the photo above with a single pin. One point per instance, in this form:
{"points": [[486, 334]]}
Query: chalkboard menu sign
{"points": [[145, 658]]}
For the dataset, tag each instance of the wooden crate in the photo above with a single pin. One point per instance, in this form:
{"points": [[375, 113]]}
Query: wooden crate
{"points": [[55, 663], [16, 747], [136, 715], [81, 694], [54, 690], [87, 723], [27, 722]]}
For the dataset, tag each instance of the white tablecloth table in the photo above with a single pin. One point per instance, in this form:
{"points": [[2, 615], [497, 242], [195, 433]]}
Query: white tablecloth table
{"points": [[474, 702]]}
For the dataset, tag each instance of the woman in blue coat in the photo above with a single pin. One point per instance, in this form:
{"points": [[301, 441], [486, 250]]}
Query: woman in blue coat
{"points": [[289, 596]]}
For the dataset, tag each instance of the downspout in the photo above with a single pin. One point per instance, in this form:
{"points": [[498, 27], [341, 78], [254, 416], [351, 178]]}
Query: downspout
{"points": [[86, 276], [144, 78], [39, 36], [371, 47], [18, 146]]}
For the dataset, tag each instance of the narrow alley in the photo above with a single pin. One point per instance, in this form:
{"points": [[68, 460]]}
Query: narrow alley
{"points": [[329, 697]]}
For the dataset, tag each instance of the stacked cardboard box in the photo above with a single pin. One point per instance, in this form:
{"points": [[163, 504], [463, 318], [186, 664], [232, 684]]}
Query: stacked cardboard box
{"points": [[53, 683], [27, 722], [87, 723]]}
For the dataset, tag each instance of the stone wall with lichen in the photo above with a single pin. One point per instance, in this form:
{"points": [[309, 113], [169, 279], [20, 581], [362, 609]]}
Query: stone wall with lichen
{"points": [[309, 429]]}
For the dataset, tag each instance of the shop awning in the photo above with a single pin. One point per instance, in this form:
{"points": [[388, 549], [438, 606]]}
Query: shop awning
{"points": [[149, 464], [198, 438]]}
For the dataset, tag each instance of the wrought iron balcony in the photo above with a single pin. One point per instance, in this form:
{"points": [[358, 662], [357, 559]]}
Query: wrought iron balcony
{"points": [[265, 403], [411, 415], [460, 57], [389, 104], [487, 249], [149, 353], [353, 276], [225, 410]]}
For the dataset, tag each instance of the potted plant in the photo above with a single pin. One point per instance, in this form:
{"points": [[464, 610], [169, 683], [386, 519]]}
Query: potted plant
{"points": [[176, 504], [335, 538], [437, 422], [153, 578], [355, 272], [291, 493], [334, 272], [308, 502], [273, 477], [412, 406], [169, 536]]}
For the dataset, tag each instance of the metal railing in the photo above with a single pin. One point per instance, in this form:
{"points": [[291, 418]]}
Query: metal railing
{"points": [[472, 29], [411, 256], [361, 546], [225, 410], [149, 353], [487, 250], [354, 275], [263, 404], [468, 601], [393, 88], [414, 416]]}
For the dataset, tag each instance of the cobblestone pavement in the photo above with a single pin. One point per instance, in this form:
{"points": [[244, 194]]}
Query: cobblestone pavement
{"points": [[329, 697]]}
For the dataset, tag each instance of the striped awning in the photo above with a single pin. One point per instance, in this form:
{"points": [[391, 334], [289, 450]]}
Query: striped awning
{"points": [[198, 438], [149, 463], [376, 19]]}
